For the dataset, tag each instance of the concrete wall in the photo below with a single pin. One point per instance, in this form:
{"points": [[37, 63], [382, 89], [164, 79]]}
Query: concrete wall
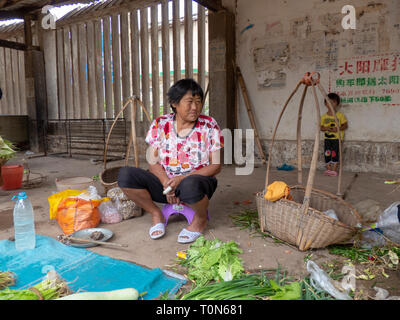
{"points": [[278, 41]]}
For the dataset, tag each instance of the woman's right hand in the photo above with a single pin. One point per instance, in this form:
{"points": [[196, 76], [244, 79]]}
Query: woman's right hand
{"points": [[171, 198]]}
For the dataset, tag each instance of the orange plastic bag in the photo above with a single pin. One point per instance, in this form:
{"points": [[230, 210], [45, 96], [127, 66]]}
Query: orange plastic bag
{"points": [[277, 190], [75, 214]]}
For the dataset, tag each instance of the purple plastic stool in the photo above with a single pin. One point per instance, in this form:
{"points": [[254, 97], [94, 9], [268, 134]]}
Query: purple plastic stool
{"points": [[170, 209]]}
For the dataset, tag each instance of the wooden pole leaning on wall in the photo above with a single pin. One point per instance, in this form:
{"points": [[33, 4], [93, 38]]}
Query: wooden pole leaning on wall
{"points": [[250, 112]]}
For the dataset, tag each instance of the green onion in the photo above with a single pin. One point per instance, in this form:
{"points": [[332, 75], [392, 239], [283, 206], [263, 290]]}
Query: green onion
{"points": [[248, 287]]}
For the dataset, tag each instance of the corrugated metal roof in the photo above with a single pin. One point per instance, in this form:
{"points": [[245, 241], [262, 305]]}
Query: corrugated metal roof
{"points": [[93, 10], [34, 4]]}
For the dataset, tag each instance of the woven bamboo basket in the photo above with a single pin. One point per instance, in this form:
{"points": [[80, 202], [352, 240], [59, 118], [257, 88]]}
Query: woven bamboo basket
{"points": [[109, 176], [301, 221]]}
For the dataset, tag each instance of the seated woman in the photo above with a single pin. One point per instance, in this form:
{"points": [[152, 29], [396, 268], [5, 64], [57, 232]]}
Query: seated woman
{"points": [[184, 154]]}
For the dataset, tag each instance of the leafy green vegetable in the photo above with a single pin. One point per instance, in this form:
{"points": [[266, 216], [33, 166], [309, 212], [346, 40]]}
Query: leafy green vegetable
{"points": [[7, 149], [213, 260], [48, 289], [291, 291]]}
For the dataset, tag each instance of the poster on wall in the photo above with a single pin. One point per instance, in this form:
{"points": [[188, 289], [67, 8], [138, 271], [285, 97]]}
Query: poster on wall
{"points": [[372, 79]]}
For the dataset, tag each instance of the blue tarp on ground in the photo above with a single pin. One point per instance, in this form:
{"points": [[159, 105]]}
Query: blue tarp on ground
{"points": [[81, 268]]}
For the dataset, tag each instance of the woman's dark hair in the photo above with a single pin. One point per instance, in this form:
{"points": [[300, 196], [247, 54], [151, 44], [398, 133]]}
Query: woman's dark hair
{"points": [[334, 96], [180, 88]]}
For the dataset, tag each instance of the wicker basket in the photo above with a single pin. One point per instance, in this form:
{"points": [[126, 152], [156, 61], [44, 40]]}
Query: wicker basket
{"points": [[109, 176], [301, 221]]}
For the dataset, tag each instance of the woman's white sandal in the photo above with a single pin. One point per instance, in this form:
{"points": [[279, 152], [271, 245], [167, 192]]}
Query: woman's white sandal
{"points": [[158, 227], [186, 236]]}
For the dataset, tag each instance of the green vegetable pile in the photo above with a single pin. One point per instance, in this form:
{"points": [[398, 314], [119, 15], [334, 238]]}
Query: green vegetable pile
{"points": [[52, 287], [7, 149], [209, 260], [359, 255]]}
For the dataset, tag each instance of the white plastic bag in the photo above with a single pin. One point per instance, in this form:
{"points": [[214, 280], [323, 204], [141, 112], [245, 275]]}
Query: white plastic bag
{"points": [[348, 282], [388, 224], [127, 208], [321, 281], [331, 213], [89, 194], [383, 294], [109, 212]]}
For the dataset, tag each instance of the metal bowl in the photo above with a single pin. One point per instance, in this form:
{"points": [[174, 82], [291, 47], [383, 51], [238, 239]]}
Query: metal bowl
{"points": [[86, 233]]}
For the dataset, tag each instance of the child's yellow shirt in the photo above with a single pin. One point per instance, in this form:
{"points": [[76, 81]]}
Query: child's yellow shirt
{"points": [[329, 121]]}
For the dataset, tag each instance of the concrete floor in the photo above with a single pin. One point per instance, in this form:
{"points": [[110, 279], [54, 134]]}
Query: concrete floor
{"points": [[257, 253]]}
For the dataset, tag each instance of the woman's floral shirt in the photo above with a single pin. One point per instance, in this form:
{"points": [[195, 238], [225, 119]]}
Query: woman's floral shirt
{"points": [[181, 155]]}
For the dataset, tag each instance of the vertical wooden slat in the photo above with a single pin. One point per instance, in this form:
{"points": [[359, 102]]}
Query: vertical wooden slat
{"points": [[125, 67], [69, 92], [135, 55], [155, 73], [75, 71], [144, 50], [60, 73], [116, 63], [201, 64], [83, 68], [3, 100], [21, 63], [91, 61], [176, 39], [107, 67], [188, 39], [99, 69], [165, 56], [9, 89], [15, 81]]}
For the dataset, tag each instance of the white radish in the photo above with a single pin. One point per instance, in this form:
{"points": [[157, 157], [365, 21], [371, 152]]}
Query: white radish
{"points": [[121, 294]]}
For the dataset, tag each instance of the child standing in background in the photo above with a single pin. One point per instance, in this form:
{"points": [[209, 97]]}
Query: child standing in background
{"points": [[331, 134]]}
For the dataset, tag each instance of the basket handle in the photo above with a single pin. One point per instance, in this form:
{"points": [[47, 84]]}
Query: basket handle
{"points": [[133, 100], [275, 129]]}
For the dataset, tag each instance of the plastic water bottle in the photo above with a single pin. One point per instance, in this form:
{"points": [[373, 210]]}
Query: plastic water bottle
{"points": [[24, 226]]}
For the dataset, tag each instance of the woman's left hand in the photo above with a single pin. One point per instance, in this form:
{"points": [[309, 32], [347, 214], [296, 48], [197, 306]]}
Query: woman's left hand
{"points": [[174, 182]]}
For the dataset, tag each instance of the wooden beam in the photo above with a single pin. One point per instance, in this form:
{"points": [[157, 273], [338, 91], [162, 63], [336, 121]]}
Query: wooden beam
{"points": [[213, 5], [12, 14], [12, 45]]}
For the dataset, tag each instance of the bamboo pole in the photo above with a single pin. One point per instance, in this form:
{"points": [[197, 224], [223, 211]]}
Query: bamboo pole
{"points": [[299, 158], [250, 113], [340, 140]]}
